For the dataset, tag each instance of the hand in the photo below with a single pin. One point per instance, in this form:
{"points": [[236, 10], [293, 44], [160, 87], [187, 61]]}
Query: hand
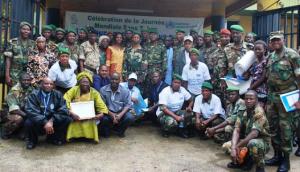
{"points": [[205, 122], [297, 105], [178, 118], [234, 154], [75, 117], [115, 121], [134, 100], [8, 81], [189, 109], [198, 124], [98, 116], [49, 127], [210, 132]]}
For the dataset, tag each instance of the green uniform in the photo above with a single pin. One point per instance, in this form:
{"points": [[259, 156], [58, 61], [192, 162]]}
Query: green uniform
{"points": [[156, 57], [15, 100], [209, 59], [74, 50], [282, 72], [169, 123], [135, 61], [257, 120], [18, 52]]}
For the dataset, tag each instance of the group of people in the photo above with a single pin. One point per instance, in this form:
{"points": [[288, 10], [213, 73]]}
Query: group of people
{"points": [[174, 82]]}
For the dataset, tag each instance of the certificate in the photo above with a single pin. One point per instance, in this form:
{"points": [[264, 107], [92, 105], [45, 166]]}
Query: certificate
{"points": [[85, 110], [289, 99]]}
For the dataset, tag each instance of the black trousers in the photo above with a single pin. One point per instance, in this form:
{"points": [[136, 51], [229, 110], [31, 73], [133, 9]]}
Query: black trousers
{"points": [[33, 129]]}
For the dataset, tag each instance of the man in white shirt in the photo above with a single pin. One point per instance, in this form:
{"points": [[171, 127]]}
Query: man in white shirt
{"points": [[183, 57], [170, 113], [194, 73], [208, 110]]}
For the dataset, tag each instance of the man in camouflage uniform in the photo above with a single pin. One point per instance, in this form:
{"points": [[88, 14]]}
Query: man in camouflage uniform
{"points": [[17, 54], [135, 60], [47, 33], [89, 53], [82, 36], [235, 50], [178, 45], [251, 130], [15, 100], [59, 35], [223, 132], [283, 76], [209, 48]]}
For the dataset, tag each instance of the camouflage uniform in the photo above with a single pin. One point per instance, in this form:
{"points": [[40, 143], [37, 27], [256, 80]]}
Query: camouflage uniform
{"points": [[74, 50], [90, 54], [258, 147], [169, 124], [51, 45], [233, 55], [282, 73], [209, 59], [134, 61], [15, 100], [38, 66], [18, 52], [178, 47]]}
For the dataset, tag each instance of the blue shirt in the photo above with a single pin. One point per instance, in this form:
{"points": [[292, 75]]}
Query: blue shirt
{"points": [[169, 71], [99, 82]]}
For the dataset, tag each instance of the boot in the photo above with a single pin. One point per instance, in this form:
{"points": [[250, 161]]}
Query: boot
{"points": [[285, 164], [275, 160], [297, 153], [260, 169], [183, 133], [248, 164]]}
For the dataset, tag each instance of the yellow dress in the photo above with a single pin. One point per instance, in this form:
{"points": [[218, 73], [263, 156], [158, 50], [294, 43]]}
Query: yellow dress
{"points": [[87, 128], [114, 59]]}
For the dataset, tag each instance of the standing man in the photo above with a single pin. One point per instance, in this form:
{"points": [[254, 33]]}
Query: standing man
{"points": [[82, 36], [283, 76], [15, 100], [145, 37], [89, 53], [182, 57], [209, 48], [47, 33], [59, 35], [180, 34], [128, 38], [74, 49], [118, 101], [47, 114], [170, 55], [16, 54], [194, 73]]}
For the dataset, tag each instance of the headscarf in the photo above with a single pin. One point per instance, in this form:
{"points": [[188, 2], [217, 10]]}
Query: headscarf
{"points": [[84, 75], [103, 37]]}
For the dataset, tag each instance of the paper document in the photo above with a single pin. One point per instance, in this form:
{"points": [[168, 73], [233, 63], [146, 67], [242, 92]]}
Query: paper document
{"points": [[241, 84], [289, 99], [85, 110]]}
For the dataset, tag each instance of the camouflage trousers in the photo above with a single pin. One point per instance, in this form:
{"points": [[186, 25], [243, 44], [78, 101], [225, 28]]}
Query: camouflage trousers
{"points": [[169, 124], [257, 149], [282, 126], [215, 122], [12, 122], [228, 131]]}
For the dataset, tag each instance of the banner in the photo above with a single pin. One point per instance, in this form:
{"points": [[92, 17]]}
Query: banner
{"points": [[104, 23]]}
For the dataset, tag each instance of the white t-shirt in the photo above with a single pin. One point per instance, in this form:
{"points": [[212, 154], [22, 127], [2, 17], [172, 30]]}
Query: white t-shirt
{"points": [[208, 109], [173, 100], [187, 57], [195, 77], [66, 78]]}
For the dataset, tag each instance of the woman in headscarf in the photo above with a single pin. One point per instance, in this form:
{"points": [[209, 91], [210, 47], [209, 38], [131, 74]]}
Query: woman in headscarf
{"points": [[40, 60], [81, 93], [103, 45]]}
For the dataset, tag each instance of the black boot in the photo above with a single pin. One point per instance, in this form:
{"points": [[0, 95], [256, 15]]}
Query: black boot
{"points": [[260, 169], [285, 164], [297, 153], [248, 164], [183, 133], [275, 160]]}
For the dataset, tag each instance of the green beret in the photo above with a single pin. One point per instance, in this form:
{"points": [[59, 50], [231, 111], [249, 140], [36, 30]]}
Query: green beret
{"points": [[152, 30], [195, 51], [52, 26], [83, 29], [63, 50], [71, 30], [46, 27], [180, 30], [208, 32], [24, 23], [232, 88], [177, 77], [193, 30], [254, 34], [207, 85], [144, 30], [60, 30], [237, 28]]}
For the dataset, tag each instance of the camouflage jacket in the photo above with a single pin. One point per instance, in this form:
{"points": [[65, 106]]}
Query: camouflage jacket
{"points": [[156, 57], [235, 110]]}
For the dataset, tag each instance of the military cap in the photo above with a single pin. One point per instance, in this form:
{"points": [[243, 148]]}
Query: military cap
{"points": [[252, 33], [46, 27], [237, 27], [276, 34], [193, 30], [24, 23], [208, 32], [60, 30], [144, 30], [63, 50], [207, 85], [53, 26], [152, 30], [180, 30], [232, 88], [195, 51], [176, 77], [71, 30], [225, 32], [83, 29]]}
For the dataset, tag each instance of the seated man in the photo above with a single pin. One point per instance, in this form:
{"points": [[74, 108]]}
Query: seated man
{"points": [[47, 114], [235, 108], [137, 100], [208, 109], [15, 100], [170, 113], [251, 132], [102, 78], [157, 86], [118, 101]]}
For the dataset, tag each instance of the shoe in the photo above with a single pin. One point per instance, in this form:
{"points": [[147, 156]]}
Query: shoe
{"points": [[233, 165], [275, 160], [165, 134], [183, 133], [297, 153], [57, 142], [285, 164], [30, 145], [248, 164], [260, 169]]}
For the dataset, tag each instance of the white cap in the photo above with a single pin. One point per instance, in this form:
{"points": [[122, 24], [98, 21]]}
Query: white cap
{"points": [[188, 37], [132, 76]]}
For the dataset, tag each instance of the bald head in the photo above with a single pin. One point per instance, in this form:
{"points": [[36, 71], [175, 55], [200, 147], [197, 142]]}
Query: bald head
{"points": [[115, 81], [47, 85]]}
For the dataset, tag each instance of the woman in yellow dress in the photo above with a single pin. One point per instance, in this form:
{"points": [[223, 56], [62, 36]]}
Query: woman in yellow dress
{"points": [[115, 55], [80, 93]]}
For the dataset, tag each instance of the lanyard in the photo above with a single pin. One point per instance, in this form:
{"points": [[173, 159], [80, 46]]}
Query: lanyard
{"points": [[46, 102]]}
